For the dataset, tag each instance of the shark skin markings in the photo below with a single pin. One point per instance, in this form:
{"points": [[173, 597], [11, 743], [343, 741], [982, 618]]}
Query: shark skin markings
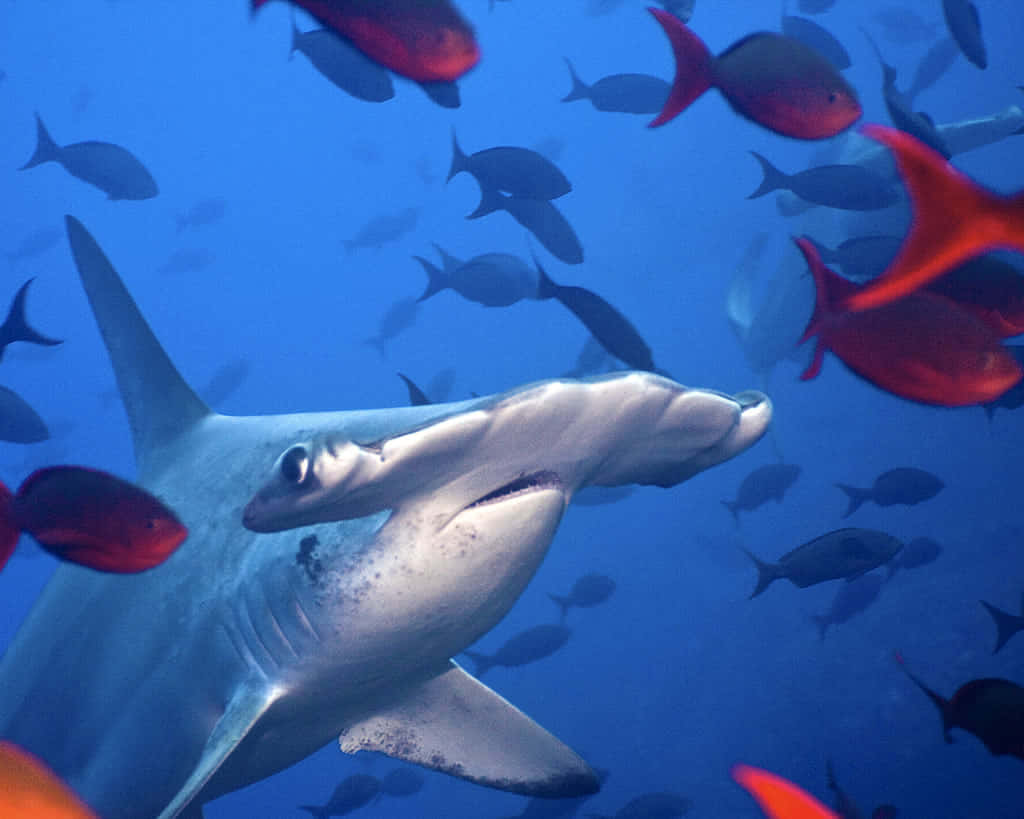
{"points": [[244, 652]]}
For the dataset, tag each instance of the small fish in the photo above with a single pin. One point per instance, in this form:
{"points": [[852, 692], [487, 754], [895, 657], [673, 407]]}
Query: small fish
{"points": [[658, 805], [937, 60], [848, 187], [224, 382], [851, 599], [91, 518], [817, 38], [353, 792], [620, 93], [424, 40], [964, 24], [918, 552], [990, 708], [402, 782], [519, 172], [1006, 624], [942, 234], [526, 647], [779, 798], [204, 212], [490, 279], [28, 788], [400, 316], [843, 553], [588, 591], [861, 257], [343, 65], [923, 347], [108, 167], [379, 231], [904, 486], [36, 243], [773, 80], [19, 423], [539, 216], [417, 398], [16, 326], [187, 260], [762, 485]]}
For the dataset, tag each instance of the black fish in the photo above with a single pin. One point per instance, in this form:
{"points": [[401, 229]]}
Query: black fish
{"points": [[1006, 624], [343, 65], [936, 61], [814, 36], [612, 329], [353, 792], [862, 257], [844, 553], [762, 485], [19, 423], [445, 94], [849, 187], [662, 805], [918, 552], [402, 782], [388, 227], [538, 216], [903, 485], [109, 167], [16, 326], [204, 212], [990, 708], [590, 590], [851, 599], [620, 93], [417, 398], [36, 243], [526, 647], [519, 172], [964, 24]]}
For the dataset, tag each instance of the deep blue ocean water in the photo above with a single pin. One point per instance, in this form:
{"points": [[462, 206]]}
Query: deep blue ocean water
{"points": [[678, 675]]}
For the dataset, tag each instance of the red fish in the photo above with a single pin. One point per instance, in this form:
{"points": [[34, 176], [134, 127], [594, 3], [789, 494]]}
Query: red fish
{"points": [[28, 788], [773, 80], [923, 347], [89, 517], [779, 798], [424, 40], [954, 219], [990, 289]]}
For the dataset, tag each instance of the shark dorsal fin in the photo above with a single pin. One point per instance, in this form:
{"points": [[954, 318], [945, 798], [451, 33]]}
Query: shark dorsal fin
{"points": [[160, 404]]}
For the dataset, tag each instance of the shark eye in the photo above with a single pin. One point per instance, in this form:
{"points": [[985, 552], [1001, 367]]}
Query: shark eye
{"points": [[295, 465]]}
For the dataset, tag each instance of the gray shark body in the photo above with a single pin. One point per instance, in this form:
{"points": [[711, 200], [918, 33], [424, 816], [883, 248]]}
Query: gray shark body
{"points": [[244, 653]]}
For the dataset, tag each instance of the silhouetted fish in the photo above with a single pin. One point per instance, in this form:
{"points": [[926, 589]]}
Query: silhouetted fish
{"points": [[526, 647], [849, 187], [187, 260], [1006, 624], [519, 172], [843, 553], [417, 398], [19, 423], [936, 61], [353, 792], [490, 279], [964, 24], [660, 805], [818, 38], [592, 358], [224, 382], [540, 217], [765, 483], [850, 600], [398, 317], [589, 590], [918, 552], [620, 93], [402, 782], [108, 167], [204, 212], [16, 326], [37, 242], [388, 227], [343, 65], [904, 485], [861, 257]]}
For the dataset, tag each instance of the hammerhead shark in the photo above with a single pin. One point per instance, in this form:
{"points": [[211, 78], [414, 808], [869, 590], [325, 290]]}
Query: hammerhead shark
{"points": [[245, 651]]}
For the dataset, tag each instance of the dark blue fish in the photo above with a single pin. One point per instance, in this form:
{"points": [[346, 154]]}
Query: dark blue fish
{"points": [[762, 485], [964, 24], [851, 599], [399, 316], [204, 212], [518, 172], [490, 279], [848, 187], [526, 647], [588, 591], [445, 94], [901, 486], [1006, 624], [936, 61], [388, 227], [862, 257], [621, 93], [917, 553], [354, 792], [343, 65], [540, 217], [16, 326]]}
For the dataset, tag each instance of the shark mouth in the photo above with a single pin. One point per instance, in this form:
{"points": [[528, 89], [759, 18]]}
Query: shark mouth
{"points": [[544, 479]]}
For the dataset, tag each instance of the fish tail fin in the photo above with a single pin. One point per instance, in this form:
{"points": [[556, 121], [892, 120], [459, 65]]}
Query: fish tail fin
{"points": [[562, 603], [46, 149], [734, 510], [546, 288], [458, 158], [436, 278], [448, 262], [1006, 624], [940, 702], [580, 90], [767, 573], [855, 496], [417, 398], [773, 180], [490, 201], [9, 530], [16, 326], [693, 66], [483, 662]]}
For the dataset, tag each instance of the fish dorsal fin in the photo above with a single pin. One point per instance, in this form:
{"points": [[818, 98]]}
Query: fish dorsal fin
{"points": [[159, 403], [456, 724]]}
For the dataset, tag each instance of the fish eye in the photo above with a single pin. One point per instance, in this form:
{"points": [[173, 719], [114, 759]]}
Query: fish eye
{"points": [[833, 96], [150, 523], [295, 464]]}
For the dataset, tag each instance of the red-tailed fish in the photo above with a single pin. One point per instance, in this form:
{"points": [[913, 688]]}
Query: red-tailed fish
{"points": [[773, 80], [779, 798], [923, 347], [424, 40], [28, 788], [89, 517], [954, 219]]}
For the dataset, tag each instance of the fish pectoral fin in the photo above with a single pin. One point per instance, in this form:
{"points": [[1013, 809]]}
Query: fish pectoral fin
{"points": [[454, 724], [247, 705]]}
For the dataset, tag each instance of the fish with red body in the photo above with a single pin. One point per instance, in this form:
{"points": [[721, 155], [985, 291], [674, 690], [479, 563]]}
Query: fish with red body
{"points": [[779, 798], [771, 79], [954, 219], [424, 40], [91, 518], [923, 347], [30, 788]]}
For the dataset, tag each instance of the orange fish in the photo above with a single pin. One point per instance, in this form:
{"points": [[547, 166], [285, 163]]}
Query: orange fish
{"points": [[773, 80], [923, 347], [954, 219], [89, 517], [424, 40], [29, 789], [779, 798]]}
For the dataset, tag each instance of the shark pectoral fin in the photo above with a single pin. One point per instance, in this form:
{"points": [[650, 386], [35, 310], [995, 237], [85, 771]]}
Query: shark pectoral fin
{"points": [[247, 705], [455, 724]]}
